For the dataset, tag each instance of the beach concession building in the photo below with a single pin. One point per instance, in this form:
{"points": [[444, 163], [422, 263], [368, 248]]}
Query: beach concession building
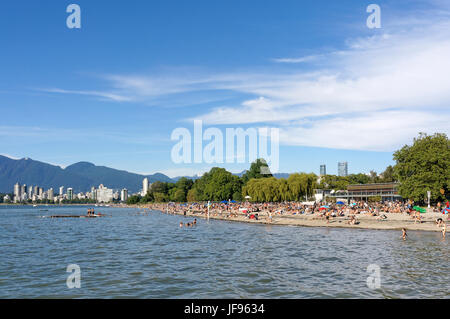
{"points": [[362, 192], [387, 191]]}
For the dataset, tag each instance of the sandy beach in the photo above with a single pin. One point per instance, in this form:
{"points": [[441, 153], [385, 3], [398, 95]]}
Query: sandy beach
{"points": [[394, 221]]}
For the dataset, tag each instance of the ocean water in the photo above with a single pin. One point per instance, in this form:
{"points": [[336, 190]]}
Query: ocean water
{"points": [[132, 255]]}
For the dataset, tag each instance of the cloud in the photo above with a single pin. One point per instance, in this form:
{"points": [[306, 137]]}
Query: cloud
{"points": [[304, 59], [103, 95], [378, 131], [376, 94]]}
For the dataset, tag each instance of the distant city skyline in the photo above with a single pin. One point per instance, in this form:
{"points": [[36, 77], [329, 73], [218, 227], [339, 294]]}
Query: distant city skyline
{"points": [[102, 194]]}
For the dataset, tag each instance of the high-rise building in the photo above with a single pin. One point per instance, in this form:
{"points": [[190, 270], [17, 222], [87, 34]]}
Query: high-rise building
{"points": [[50, 194], [93, 193], [30, 192], [17, 192], [124, 195], [61, 190], [23, 192], [104, 194], [323, 170], [343, 169], [145, 186], [69, 193], [36, 190]]}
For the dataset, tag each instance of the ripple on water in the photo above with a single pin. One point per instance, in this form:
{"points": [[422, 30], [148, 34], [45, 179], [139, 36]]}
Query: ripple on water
{"points": [[149, 256]]}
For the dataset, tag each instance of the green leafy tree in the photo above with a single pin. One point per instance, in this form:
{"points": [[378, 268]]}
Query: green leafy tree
{"points": [[133, 200], [335, 182], [147, 198], [177, 195], [358, 179], [424, 166], [374, 178], [258, 169], [160, 197], [388, 176], [192, 195], [217, 185], [159, 187]]}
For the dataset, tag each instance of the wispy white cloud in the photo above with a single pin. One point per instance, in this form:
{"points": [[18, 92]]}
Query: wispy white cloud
{"points": [[99, 94], [303, 59], [374, 95]]}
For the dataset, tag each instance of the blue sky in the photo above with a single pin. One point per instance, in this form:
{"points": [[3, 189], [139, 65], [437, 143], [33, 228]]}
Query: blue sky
{"points": [[113, 91]]}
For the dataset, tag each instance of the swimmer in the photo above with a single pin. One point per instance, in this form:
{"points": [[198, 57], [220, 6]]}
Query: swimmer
{"points": [[181, 224], [444, 230], [404, 234], [195, 221]]}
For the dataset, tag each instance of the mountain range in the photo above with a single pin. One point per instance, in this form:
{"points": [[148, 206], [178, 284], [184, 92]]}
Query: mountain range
{"points": [[80, 176]]}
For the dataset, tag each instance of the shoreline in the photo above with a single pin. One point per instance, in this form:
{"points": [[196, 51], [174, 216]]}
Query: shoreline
{"points": [[393, 222]]}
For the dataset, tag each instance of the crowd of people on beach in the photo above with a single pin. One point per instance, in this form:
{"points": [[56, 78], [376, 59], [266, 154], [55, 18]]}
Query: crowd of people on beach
{"points": [[291, 208], [266, 212]]}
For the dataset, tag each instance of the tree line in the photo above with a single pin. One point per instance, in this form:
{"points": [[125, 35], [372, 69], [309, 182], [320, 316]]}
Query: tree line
{"points": [[423, 166]]}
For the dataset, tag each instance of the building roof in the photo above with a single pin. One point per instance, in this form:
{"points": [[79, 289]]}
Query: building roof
{"points": [[377, 186]]}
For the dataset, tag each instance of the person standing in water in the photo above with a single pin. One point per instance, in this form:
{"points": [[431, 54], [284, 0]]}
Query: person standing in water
{"points": [[404, 234]]}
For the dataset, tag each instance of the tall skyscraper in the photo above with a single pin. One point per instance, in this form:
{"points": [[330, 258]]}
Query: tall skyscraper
{"points": [[145, 186], [323, 170], [16, 192], [50, 194], [124, 195], [23, 191], [343, 169], [69, 193], [93, 193], [61, 190]]}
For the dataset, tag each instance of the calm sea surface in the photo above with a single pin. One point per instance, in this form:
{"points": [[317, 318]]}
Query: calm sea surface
{"points": [[131, 255]]}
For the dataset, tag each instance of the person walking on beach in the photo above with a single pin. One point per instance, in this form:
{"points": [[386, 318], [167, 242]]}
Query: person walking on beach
{"points": [[404, 234], [327, 216]]}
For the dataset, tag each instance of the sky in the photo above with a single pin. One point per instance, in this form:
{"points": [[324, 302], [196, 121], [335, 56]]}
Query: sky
{"points": [[113, 92]]}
